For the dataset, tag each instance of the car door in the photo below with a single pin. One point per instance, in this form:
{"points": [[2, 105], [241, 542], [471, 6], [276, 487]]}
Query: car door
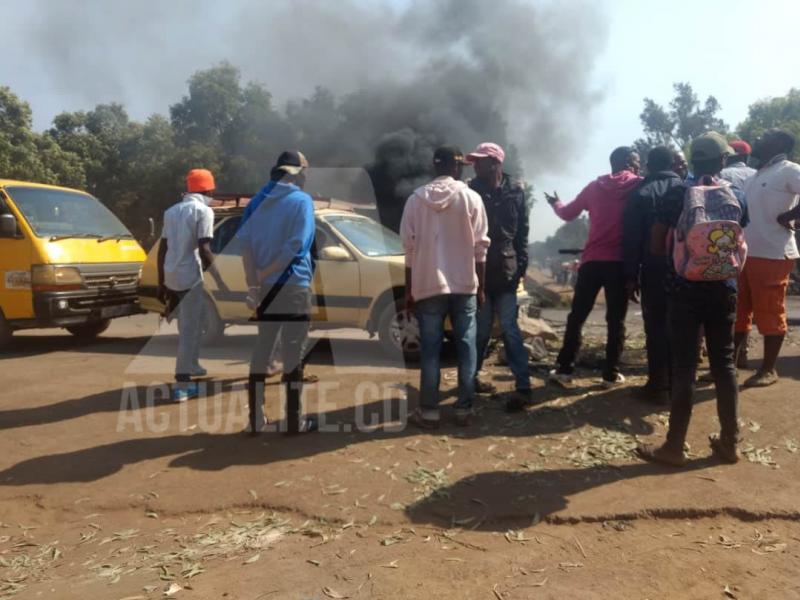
{"points": [[16, 297], [337, 281], [229, 288]]}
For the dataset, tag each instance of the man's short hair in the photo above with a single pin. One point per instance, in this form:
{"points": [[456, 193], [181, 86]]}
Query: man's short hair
{"points": [[785, 139], [660, 158], [619, 158]]}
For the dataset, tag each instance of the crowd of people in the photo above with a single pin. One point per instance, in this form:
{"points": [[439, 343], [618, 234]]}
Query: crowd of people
{"points": [[707, 246]]}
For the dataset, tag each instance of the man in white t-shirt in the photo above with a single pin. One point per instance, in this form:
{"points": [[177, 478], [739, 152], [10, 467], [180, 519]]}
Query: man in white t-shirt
{"points": [[184, 253], [772, 201]]}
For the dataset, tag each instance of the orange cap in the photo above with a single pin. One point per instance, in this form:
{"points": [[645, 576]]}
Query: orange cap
{"points": [[199, 180]]}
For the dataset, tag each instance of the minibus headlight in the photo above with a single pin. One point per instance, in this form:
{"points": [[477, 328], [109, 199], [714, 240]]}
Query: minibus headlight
{"points": [[50, 277]]}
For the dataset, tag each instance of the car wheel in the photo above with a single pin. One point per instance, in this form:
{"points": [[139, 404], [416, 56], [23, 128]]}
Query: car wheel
{"points": [[6, 333], [213, 325], [91, 330], [398, 331]]}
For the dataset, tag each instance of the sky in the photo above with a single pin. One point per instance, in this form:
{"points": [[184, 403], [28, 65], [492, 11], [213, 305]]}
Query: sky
{"points": [[739, 51]]}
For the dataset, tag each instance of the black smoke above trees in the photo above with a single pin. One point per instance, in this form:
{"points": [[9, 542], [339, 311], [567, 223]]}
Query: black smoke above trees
{"points": [[394, 81]]}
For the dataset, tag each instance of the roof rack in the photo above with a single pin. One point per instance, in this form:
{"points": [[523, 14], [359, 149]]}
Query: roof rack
{"points": [[226, 199], [240, 200]]}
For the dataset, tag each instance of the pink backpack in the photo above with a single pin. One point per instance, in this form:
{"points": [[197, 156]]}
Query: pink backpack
{"points": [[709, 240]]}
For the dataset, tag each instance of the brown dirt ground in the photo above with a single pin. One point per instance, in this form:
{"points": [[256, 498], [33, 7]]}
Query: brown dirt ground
{"points": [[547, 504]]}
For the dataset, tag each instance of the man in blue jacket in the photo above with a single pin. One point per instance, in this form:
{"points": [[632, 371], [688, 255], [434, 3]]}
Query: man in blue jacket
{"points": [[646, 272], [276, 252]]}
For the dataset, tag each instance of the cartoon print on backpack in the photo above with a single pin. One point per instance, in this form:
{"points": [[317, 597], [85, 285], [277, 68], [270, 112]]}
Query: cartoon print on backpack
{"points": [[724, 252]]}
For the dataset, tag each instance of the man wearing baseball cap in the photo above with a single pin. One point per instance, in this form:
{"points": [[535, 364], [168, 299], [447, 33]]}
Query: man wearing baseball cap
{"points": [[692, 305], [183, 254], [506, 263], [444, 236], [737, 171], [276, 252]]}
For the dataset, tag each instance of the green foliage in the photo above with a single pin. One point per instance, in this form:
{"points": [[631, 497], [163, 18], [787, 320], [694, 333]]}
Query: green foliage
{"points": [[782, 112], [25, 154], [676, 126]]}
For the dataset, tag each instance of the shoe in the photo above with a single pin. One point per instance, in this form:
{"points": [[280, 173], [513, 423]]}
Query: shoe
{"points": [[662, 454], [562, 379], [762, 379], [728, 452], [484, 387], [307, 425], [424, 419], [651, 395], [198, 371], [518, 400], [185, 391], [618, 380], [463, 417]]}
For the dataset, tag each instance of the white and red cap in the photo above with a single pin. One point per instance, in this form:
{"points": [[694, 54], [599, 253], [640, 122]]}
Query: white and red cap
{"points": [[487, 150]]}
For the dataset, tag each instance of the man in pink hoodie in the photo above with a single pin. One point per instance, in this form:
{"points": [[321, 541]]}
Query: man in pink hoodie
{"points": [[444, 233], [602, 266]]}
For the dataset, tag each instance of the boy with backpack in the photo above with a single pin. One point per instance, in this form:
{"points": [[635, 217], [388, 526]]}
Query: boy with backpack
{"points": [[703, 240]]}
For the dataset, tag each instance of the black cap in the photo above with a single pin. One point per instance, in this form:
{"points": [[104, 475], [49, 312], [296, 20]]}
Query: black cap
{"points": [[448, 155], [291, 161]]}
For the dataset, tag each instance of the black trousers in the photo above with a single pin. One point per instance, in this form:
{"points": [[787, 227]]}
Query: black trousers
{"points": [[654, 313], [283, 314], [713, 306], [592, 277]]}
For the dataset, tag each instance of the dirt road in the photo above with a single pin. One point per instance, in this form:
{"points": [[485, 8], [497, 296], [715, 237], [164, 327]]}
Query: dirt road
{"points": [[109, 491]]}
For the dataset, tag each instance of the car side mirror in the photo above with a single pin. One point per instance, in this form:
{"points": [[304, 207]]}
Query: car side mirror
{"points": [[8, 226], [336, 253]]}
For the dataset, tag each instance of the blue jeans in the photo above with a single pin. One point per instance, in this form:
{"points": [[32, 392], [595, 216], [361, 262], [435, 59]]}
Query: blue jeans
{"points": [[504, 305], [190, 333], [431, 313]]}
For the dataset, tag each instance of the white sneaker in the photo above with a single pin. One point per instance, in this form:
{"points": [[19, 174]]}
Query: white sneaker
{"points": [[619, 379], [562, 379]]}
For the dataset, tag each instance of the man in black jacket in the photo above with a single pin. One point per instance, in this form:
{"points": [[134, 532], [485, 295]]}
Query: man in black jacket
{"points": [[506, 264], [645, 272]]}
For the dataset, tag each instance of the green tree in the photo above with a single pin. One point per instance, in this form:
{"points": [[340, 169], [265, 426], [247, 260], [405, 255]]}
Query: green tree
{"points": [[782, 112], [27, 155], [213, 102], [684, 119]]}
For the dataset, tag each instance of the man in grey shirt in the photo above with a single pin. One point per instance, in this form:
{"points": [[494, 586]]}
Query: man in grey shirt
{"points": [[736, 170]]}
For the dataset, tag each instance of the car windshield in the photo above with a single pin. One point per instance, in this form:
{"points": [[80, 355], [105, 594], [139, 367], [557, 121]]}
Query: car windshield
{"points": [[371, 238], [59, 213]]}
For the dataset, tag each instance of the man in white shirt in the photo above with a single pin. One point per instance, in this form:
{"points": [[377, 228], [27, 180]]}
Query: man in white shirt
{"points": [[772, 201], [183, 255]]}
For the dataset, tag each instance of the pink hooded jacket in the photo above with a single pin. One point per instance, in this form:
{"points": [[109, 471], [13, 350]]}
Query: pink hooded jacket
{"points": [[444, 230], [604, 199]]}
